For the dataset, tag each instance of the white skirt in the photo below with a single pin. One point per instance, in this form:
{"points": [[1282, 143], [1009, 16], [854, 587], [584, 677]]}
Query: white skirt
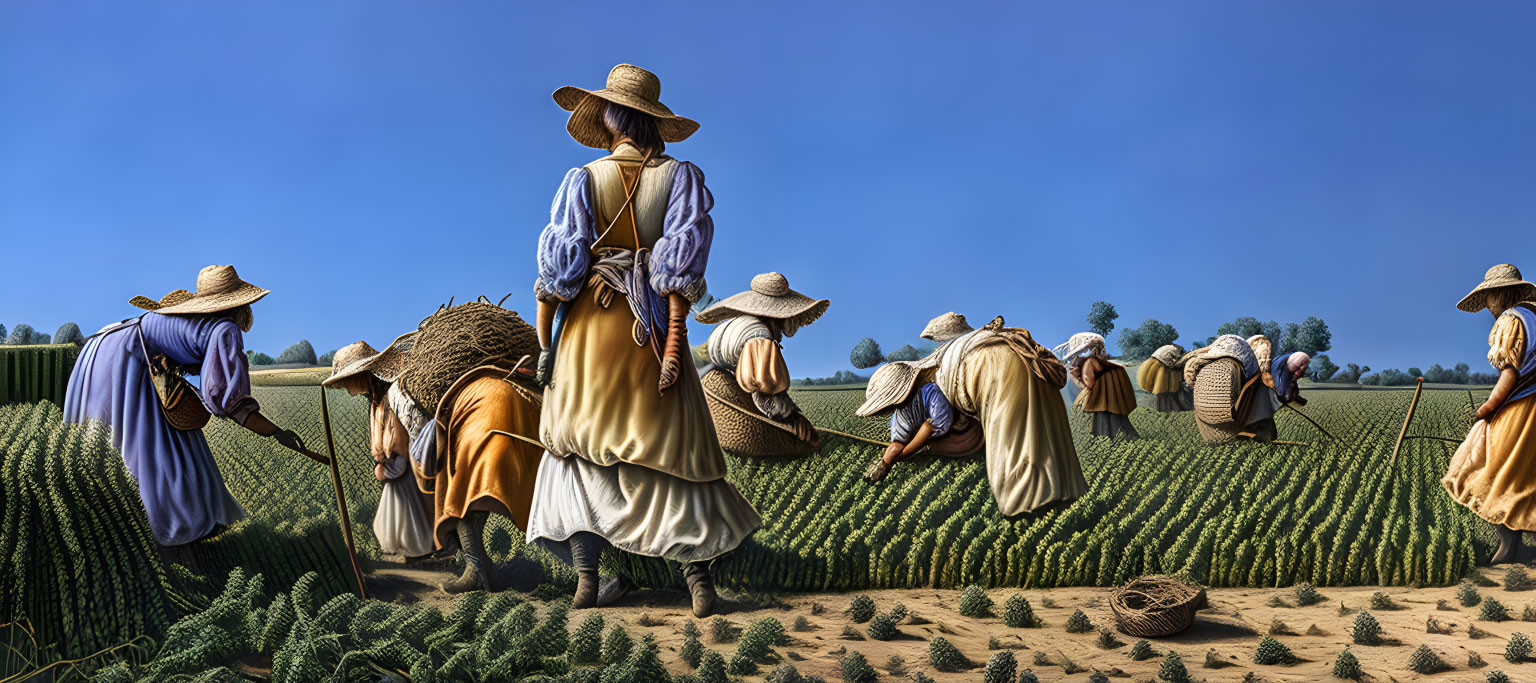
{"points": [[402, 523], [637, 509]]}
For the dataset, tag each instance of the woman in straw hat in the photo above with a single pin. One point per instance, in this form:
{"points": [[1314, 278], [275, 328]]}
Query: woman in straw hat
{"points": [[923, 419], [745, 349], [197, 333], [1494, 469], [1006, 381], [401, 522], [633, 459], [1162, 375], [1106, 386]]}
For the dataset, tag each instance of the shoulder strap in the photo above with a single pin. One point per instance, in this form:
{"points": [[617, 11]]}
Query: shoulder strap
{"points": [[629, 196]]}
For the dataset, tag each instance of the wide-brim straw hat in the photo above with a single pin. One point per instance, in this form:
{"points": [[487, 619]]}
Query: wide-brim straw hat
{"points": [[947, 327], [890, 385], [628, 85], [219, 288], [1497, 277], [1169, 355], [359, 357], [768, 297]]}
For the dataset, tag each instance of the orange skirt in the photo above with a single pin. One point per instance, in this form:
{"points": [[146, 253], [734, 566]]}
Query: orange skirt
{"points": [[1111, 393], [1494, 470], [483, 470]]}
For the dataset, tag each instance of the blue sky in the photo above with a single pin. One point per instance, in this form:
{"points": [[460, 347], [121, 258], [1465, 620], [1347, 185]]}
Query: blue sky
{"points": [[1363, 162]]}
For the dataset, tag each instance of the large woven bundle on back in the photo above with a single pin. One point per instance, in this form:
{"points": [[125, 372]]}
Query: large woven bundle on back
{"points": [[741, 429], [1156, 606], [1216, 391], [458, 339]]}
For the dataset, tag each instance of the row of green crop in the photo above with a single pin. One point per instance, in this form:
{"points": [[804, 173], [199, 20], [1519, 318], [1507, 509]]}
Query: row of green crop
{"points": [[36, 373]]}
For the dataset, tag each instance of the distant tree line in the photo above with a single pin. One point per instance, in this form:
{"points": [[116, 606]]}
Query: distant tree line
{"points": [[842, 377], [24, 335], [1310, 336], [867, 353], [298, 353]]}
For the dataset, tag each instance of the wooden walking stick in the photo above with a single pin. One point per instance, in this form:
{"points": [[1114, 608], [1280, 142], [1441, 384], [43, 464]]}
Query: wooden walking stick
{"points": [[1305, 417], [1411, 407], [341, 496]]}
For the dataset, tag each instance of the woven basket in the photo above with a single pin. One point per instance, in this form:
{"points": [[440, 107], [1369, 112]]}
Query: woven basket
{"points": [[455, 340], [1155, 606], [1216, 391], [736, 422]]}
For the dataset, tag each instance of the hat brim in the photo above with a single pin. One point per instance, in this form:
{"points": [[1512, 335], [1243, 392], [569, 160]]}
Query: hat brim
{"points": [[1477, 299], [352, 369], [385, 365], [796, 308], [878, 397], [245, 295], [587, 106]]}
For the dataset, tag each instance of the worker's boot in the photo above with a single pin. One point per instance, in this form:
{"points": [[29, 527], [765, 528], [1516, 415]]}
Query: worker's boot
{"points": [[586, 551], [477, 564], [1509, 545], [701, 587]]}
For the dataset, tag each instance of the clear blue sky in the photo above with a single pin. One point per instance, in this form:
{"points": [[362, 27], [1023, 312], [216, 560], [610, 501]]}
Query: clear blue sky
{"points": [[1364, 162]]}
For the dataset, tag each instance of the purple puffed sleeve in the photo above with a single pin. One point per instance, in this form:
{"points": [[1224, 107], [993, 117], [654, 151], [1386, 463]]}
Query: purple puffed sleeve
{"points": [[679, 257], [940, 413], [226, 377], [565, 246]]}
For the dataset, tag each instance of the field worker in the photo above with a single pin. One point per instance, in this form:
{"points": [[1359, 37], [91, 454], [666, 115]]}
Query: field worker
{"points": [[1494, 469], [461, 381], [114, 384], [747, 370], [923, 421], [1285, 371], [1162, 375], [1231, 396], [401, 522], [633, 460], [1001, 377], [1106, 390]]}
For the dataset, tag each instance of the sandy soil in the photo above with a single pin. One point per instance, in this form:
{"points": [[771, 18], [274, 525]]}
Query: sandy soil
{"points": [[1237, 620]]}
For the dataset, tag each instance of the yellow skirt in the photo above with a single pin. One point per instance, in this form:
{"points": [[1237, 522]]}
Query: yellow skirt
{"points": [[1494, 470]]}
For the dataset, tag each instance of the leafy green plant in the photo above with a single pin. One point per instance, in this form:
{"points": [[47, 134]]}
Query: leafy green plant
{"points": [[1141, 650], [1017, 612], [861, 609], [1518, 649], [1493, 610], [856, 669], [1002, 667], [1467, 594], [1426, 661], [1347, 666], [944, 656], [1306, 594], [974, 602], [1173, 670], [1107, 640], [1079, 623], [1517, 579], [587, 641], [1271, 651], [882, 627], [617, 646], [1366, 631]]}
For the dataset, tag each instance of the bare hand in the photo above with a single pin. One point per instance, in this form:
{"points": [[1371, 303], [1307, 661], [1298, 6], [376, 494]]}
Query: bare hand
{"points": [[289, 439], [1487, 410]]}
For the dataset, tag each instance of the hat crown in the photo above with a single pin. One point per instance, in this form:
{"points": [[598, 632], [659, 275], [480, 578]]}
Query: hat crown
{"points": [[217, 280], [631, 79], [352, 353], [1503, 271], [770, 284]]}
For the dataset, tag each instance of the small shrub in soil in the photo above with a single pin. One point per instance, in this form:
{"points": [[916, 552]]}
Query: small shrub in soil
{"points": [[1279, 628], [616, 648], [1107, 640], [648, 620], [1142, 651], [1476, 633], [1382, 602], [1516, 579], [861, 609], [896, 665], [1214, 661], [818, 609], [1079, 623], [784, 673], [691, 628], [1467, 594], [1042, 659], [1444, 606], [882, 627], [1366, 631], [1518, 649], [1347, 666], [1313, 630], [899, 612], [1173, 670], [1271, 651], [802, 624], [757, 643], [1277, 602], [1002, 667], [1425, 661], [945, 657], [741, 665], [712, 668], [856, 669], [1496, 677], [1344, 611], [1028, 677], [1528, 614], [1475, 661], [1306, 594], [721, 630], [1433, 625], [587, 641], [851, 633], [1017, 613], [920, 677], [1048, 603], [1493, 610], [692, 650], [974, 603]]}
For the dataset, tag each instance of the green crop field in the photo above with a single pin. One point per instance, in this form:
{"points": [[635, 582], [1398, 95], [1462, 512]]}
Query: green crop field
{"points": [[83, 575]]}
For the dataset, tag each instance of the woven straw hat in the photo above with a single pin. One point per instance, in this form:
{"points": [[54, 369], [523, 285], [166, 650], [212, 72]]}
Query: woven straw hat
{"points": [[1169, 355], [219, 288], [946, 327], [630, 86], [358, 357], [890, 385], [1502, 275], [769, 297], [1076, 344]]}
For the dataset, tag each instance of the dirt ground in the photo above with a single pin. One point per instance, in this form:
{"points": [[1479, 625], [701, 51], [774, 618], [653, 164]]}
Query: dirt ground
{"points": [[1233, 626]]}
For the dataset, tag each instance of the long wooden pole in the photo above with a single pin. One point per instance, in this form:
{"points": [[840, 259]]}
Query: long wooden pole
{"points": [[1404, 431], [1305, 417], [341, 496]]}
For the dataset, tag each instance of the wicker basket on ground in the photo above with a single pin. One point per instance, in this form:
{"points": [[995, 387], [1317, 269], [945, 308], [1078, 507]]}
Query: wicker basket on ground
{"points": [[742, 430], [455, 340], [1217, 388], [1155, 606]]}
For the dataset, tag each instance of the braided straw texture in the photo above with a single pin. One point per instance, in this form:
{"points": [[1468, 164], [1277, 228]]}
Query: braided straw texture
{"points": [[739, 431], [1155, 606], [455, 340], [1216, 391]]}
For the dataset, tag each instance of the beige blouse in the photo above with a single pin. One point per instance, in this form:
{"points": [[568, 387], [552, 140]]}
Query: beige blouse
{"points": [[1506, 342]]}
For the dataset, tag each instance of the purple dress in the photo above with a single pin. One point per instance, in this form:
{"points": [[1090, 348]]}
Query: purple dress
{"points": [[179, 481]]}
